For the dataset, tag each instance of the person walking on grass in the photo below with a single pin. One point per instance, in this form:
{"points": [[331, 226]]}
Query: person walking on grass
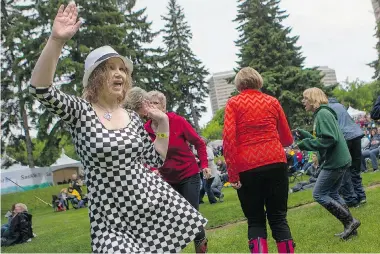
{"points": [[212, 193], [131, 210], [329, 141], [352, 186], [254, 136]]}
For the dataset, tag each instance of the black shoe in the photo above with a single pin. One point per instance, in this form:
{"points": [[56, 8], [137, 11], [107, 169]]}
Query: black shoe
{"points": [[342, 213], [354, 233], [201, 202], [353, 205]]}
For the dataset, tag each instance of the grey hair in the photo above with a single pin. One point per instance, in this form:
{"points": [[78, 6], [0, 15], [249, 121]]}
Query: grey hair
{"points": [[135, 98], [248, 78], [23, 206], [160, 96]]}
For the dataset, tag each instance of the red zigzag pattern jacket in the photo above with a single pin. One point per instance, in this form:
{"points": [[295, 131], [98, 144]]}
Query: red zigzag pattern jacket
{"points": [[255, 132]]}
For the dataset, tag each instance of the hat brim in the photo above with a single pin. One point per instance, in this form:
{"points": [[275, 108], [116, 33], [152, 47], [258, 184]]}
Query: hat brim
{"points": [[127, 62]]}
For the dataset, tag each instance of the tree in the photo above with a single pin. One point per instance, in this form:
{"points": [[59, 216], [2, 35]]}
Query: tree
{"points": [[17, 27], [358, 94], [17, 150], [376, 63], [24, 27], [266, 45], [214, 129], [184, 75], [146, 60]]}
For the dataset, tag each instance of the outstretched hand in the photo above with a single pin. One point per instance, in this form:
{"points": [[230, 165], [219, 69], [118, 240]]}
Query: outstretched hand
{"points": [[65, 23]]}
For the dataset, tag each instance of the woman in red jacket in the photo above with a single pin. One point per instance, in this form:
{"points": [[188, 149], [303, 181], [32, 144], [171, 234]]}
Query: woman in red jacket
{"points": [[180, 169], [255, 132]]}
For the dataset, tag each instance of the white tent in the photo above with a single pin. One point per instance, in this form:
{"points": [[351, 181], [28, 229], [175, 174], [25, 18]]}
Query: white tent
{"points": [[65, 162], [354, 113], [216, 143]]}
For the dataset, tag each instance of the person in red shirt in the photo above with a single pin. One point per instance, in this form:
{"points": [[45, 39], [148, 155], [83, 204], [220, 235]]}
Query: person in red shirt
{"points": [[180, 169], [255, 132]]}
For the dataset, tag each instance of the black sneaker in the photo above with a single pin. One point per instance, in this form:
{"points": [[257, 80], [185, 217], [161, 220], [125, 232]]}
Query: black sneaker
{"points": [[353, 205]]}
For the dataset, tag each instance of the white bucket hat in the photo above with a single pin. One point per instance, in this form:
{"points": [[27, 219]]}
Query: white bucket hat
{"points": [[99, 55]]}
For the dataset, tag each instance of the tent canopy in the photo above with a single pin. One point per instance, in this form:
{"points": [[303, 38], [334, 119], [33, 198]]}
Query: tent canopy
{"points": [[354, 113], [65, 162]]}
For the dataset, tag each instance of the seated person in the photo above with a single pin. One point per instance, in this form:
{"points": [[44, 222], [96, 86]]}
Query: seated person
{"points": [[55, 203], [75, 197], [9, 215], [304, 185], [372, 152], [216, 188], [63, 198], [76, 183], [20, 229], [313, 168], [222, 167]]}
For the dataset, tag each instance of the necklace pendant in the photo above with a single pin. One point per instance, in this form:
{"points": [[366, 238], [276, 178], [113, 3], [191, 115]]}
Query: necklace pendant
{"points": [[107, 116]]}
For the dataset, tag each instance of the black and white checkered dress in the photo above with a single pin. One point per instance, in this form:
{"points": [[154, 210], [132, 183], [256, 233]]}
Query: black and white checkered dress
{"points": [[130, 208]]}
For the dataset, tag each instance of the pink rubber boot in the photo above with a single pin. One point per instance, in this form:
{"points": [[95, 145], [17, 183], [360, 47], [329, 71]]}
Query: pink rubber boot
{"points": [[286, 246], [258, 245]]}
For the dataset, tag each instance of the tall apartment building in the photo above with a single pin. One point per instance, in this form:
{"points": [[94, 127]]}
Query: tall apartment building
{"points": [[376, 9], [329, 75], [220, 89]]}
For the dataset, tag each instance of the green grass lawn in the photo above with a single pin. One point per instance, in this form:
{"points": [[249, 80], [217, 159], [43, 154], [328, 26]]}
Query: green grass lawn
{"points": [[311, 226]]}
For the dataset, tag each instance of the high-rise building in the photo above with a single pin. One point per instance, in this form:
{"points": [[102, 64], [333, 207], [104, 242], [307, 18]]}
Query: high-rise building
{"points": [[376, 9], [220, 89], [329, 75]]}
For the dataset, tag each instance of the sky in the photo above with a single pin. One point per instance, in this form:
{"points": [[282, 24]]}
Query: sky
{"points": [[338, 34]]}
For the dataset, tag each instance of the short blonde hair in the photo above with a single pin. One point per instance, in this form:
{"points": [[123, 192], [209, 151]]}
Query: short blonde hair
{"points": [[99, 78], [135, 97], [23, 207], [315, 96], [160, 96], [248, 78]]}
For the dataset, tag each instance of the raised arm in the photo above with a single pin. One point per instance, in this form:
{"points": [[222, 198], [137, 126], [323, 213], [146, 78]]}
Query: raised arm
{"points": [[69, 108], [64, 27], [161, 143]]}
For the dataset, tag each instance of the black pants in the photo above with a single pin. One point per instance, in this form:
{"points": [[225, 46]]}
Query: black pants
{"points": [[207, 189], [189, 189], [352, 187], [267, 187]]}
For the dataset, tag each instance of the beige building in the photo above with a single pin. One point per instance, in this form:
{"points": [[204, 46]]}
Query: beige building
{"points": [[329, 75], [220, 89], [376, 9]]}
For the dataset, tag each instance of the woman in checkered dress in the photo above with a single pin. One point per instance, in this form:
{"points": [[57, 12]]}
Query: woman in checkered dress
{"points": [[130, 208]]}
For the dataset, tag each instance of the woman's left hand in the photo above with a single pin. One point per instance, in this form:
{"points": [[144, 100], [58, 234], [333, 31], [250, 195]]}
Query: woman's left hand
{"points": [[236, 185]]}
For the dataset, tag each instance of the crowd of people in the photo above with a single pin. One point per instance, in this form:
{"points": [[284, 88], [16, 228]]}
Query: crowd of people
{"points": [[144, 162]]}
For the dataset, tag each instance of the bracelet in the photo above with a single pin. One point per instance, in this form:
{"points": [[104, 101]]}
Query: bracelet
{"points": [[162, 135]]}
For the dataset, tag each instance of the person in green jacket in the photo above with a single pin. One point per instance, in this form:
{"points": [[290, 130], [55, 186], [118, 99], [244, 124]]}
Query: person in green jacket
{"points": [[328, 140]]}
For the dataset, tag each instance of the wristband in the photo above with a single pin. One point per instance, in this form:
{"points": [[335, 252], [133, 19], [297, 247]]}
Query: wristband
{"points": [[162, 135]]}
